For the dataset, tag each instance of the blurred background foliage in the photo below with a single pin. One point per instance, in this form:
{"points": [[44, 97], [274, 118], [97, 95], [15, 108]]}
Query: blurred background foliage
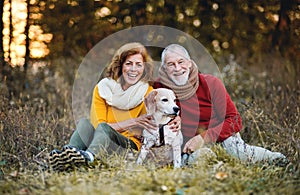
{"points": [[262, 36], [255, 43], [249, 40]]}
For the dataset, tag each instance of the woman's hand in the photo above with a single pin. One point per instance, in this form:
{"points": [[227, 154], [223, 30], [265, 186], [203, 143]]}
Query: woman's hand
{"points": [[193, 144], [175, 124], [146, 122], [142, 122]]}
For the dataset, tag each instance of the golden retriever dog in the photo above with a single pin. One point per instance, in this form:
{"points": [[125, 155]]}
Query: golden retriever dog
{"points": [[161, 104]]}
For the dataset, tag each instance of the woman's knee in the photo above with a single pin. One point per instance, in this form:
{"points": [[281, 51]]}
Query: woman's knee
{"points": [[84, 126], [105, 128], [84, 122]]}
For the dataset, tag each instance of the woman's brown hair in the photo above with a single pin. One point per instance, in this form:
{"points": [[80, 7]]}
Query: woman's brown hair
{"points": [[114, 69]]}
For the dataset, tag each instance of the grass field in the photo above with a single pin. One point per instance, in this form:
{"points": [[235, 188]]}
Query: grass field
{"points": [[32, 125]]}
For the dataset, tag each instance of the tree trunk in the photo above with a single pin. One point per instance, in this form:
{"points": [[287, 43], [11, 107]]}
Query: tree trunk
{"points": [[11, 30], [2, 62], [27, 41], [281, 38]]}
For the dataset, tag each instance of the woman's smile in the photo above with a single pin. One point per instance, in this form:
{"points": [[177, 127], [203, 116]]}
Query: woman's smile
{"points": [[132, 70]]}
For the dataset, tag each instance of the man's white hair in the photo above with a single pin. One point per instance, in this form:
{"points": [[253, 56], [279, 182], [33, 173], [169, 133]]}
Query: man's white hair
{"points": [[173, 48]]}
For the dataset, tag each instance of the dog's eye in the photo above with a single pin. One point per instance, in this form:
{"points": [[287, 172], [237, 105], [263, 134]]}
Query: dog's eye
{"points": [[164, 100]]}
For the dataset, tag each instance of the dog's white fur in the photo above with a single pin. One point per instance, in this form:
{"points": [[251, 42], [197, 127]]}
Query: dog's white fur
{"points": [[160, 103]]}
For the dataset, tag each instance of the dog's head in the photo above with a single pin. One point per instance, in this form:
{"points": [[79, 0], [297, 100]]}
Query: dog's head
{"points": [[162, 102]]}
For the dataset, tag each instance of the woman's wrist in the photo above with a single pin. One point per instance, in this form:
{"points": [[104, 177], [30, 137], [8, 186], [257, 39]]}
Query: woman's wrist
{"points": [[121, 126]]}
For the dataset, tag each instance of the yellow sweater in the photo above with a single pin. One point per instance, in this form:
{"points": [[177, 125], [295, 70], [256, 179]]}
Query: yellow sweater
{"points": [[102, 112]]}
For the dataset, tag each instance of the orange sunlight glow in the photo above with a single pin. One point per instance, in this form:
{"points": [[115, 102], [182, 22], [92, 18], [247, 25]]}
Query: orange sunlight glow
{"points": [[16, 50]]}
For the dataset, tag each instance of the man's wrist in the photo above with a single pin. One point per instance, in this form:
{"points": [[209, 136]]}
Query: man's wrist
{"points": [[203, 134], [205, 137]]}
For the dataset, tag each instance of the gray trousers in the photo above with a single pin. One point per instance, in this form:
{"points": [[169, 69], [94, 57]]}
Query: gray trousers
{"points": [[102, 139]]}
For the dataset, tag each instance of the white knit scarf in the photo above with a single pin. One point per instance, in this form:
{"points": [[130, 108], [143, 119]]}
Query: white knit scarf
{"points": [[114, 95]]}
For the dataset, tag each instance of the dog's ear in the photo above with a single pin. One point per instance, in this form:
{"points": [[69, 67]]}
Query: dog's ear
{"points": [[150, 102]]}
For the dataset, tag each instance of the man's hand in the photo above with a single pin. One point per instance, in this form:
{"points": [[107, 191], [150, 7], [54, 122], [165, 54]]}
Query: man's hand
{"points": [[193, 144], [175, 124]]}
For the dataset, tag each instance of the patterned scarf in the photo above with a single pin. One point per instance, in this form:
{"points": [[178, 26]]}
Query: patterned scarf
{"points": [[182, 92]]}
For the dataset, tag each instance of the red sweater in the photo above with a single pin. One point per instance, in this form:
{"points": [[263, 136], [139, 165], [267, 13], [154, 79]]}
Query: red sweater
{"points": [[210, 112]]}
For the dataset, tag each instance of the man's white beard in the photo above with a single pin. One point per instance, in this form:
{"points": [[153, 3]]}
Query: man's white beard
{"points": [[182, 80]]}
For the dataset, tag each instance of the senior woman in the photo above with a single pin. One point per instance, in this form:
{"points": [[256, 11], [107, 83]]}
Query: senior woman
{"points": [[117, 114]]}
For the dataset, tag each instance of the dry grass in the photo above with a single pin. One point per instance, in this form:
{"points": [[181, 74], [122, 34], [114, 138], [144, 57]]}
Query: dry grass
{"points": [[32, 125]]}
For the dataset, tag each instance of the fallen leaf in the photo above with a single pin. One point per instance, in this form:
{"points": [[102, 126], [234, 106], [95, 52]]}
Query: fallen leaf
{"points": [[14, 174], [24, 191], [221, 175]]}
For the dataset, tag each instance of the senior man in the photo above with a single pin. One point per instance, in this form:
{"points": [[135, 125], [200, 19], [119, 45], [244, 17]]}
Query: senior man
{"points": [[207, 112]]}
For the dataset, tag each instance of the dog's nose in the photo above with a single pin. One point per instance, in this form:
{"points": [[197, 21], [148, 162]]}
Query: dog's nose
{"points": [[176, 109]]}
